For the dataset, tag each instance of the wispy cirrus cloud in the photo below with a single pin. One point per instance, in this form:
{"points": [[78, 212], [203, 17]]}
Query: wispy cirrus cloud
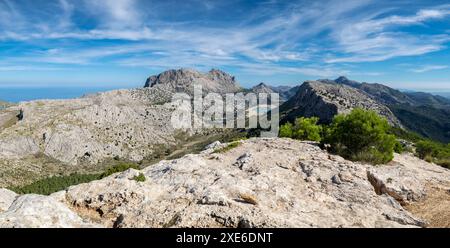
{"points": [[273, 37], [378, 39], [428, 68]]}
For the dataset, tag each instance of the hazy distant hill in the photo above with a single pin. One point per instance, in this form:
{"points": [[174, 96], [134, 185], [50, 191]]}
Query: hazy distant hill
{"points": [[421, 112], [286, 92], [326, 99], [4, 104], [81, 134], [443, 94], [388, 95]]}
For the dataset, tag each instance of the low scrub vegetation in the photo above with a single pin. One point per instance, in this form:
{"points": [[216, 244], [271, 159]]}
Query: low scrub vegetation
{"points": [[140, 178], [426, 149], [119, 168], [229, 147], [54, 184], [359, 136], [303, 129], [365, 136], [434, 152]]}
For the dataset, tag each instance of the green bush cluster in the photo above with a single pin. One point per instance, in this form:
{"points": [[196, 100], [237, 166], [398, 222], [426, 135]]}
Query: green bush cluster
{"points": [[361, 135], [54, 184], [434, 152], [229, 147], [50, 185], [119, 168], [140, 177], [303, 129], [398, 147]]}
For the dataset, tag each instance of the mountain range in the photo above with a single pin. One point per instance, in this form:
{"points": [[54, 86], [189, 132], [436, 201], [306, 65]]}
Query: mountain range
{"points": [[423, 113], [192, 178]]}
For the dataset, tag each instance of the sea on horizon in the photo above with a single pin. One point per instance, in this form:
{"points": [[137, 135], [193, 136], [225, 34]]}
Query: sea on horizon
{"points": [[21, 94]]}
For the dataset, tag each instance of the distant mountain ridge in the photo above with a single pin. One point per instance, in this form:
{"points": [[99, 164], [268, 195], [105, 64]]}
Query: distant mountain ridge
{"points": [[286, 92], [325, 100], [4, 104], [388, 95], [420, 112], [182, 80]]}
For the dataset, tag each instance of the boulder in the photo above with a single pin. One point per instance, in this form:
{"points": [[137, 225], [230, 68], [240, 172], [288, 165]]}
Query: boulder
{"points": [[6, 199]]}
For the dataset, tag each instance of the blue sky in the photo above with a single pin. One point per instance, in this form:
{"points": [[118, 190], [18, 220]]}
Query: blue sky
{"points": [[119, 43]]}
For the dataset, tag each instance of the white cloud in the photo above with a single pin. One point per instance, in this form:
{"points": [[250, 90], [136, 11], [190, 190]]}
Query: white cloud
{"points": [[375, 39], [300, 38], [115, 13], [427, 68]]}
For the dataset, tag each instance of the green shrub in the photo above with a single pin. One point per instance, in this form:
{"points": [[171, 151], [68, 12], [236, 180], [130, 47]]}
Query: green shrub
{"points": [[140, 178], [286, 130], [119, 168], [426, 149], [361, 136], [398, 147], [54, 184], [229, 147], [304, 129]]}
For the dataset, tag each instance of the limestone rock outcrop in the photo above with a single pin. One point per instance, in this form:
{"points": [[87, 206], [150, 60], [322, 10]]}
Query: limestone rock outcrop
{"points": [[7, 197], [325, 100], [127, 124], [182, 80], [260, 183]]}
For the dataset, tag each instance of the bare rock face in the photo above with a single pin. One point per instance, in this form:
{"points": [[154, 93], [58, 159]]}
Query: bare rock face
{"points": [[282, 183], [34, 211], [129, 124], [8, 118], [7, 197], [182, 80], [325, 100], [407, 178], [123, 123], [262, 88]]}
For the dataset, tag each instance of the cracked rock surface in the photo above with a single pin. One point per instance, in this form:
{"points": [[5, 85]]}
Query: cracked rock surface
{"points": [[286, 183]]}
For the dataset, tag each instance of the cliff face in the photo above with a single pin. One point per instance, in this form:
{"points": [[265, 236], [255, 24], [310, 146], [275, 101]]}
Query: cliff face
{"points": [[420, 112], [182, 80], [325, 100], [262, 88], [261, 183], [81, 133]]}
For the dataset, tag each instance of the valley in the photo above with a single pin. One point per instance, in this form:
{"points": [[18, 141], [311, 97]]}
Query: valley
{"points": [[213, 177]]}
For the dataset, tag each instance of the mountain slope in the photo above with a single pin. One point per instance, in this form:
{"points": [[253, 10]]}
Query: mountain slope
{"points": [[420, 112], [4, 104], [379, 92], [325, 100], [182, 80], [261, 183], [285, 92], [262, 88], [59, 136]]}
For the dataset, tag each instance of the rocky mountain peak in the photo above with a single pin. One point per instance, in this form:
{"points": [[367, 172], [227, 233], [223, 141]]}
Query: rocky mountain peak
{"points": [[262, 88], [219, 75], [260, 183], [344, 80], [325, 100], [182, 80]]}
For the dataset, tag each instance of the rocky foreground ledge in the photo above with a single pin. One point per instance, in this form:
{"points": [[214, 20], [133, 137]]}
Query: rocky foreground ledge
{"points": [[261, 183]]}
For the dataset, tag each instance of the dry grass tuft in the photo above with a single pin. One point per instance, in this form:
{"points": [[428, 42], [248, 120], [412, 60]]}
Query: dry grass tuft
{"points": [[248, 198]]}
